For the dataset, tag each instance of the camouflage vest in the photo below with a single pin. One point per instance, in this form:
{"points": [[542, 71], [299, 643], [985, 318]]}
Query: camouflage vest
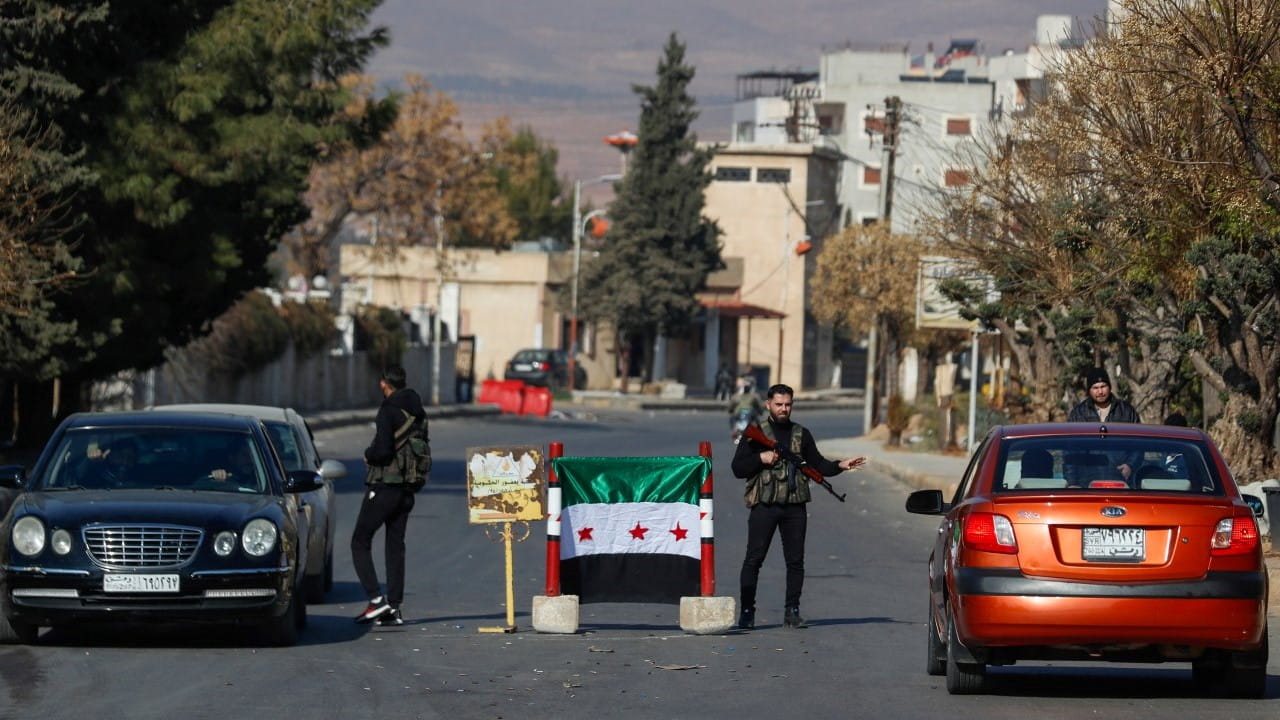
{"points": [[769, 486]]}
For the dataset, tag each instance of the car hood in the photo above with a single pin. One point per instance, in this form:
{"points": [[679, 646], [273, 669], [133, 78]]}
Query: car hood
{"points": [[201, 509]]}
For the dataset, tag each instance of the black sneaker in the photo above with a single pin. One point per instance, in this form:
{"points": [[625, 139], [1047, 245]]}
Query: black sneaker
{"points": [[377, 608], [392, 617], [747, 619], [792, 619]]}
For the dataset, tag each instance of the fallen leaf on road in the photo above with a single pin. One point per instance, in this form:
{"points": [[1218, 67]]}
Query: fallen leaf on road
{"points": [[679, 667]]}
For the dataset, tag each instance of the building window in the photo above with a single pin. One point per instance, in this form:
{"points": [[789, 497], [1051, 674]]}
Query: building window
{"points": [[773, 175], [746, 132], [958, 126], [733, 174], [870, 175], [955, 178]]}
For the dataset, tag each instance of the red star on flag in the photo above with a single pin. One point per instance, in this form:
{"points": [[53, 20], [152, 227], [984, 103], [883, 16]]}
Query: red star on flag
{"points": [[679, 532], [585, 534], [638, 532]]}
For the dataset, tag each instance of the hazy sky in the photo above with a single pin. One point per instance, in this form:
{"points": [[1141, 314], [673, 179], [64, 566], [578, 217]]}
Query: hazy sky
{"points": [[566, 67]]}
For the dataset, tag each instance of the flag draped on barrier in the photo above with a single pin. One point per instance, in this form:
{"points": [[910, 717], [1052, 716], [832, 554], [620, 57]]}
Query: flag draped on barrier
{"points": [[630, 527]]}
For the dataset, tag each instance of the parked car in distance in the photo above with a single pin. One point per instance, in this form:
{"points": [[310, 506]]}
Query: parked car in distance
{"points": [[144, 516], [296, 445], [544, 368], [1088, 542]]}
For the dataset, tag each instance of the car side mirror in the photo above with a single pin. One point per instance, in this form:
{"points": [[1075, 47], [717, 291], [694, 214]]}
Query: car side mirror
{"points": [[1255, 504], [332, 470], [12, 477], [926, 502], [300, 481]]}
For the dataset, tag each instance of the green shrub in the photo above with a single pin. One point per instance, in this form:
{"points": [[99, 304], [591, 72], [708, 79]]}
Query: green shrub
{"points": [[380, 332], [246, 337], [311, 326]]}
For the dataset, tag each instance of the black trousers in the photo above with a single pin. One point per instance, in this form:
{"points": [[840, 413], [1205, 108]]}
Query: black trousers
{"points": [[389, 506], [791, 520]]}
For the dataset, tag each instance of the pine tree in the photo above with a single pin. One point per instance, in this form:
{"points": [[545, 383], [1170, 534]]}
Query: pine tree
{"points": [[660, 247]]}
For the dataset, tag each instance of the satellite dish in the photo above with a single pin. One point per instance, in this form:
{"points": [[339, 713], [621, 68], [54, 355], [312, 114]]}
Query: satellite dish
{"points": [[296, 282], [319, 282]]}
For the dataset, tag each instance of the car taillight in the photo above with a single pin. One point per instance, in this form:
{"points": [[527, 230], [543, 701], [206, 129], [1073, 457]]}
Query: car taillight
{"points": [[539, 365], [1235, 535], [989, 532]]}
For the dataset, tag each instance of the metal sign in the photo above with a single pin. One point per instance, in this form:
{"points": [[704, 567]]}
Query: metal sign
{"points": [[506, 483], [933, 309]]}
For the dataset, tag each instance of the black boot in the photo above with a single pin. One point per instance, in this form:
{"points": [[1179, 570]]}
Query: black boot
{"points": [[792, 619], [747, 619]]}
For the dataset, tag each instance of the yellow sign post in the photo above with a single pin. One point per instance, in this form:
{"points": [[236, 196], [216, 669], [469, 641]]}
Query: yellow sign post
{"points": [[506, 485]]}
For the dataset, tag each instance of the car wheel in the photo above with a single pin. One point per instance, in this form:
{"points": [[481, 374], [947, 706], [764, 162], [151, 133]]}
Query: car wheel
{"points": [[962, 678], [936, 661], [313, 587], [1237, 675], [282, 631], [13, 631]]}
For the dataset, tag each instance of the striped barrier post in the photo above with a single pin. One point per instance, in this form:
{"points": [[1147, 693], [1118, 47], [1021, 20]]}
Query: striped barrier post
{"points": [[707, 529], [555, 450]]}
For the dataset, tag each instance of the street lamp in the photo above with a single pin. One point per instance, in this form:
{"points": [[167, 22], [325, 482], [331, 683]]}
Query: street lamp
{"points": [[578, 222]]}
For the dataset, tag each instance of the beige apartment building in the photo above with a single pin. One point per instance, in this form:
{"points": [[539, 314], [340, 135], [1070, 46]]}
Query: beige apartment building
{"points": [[775, 205]]}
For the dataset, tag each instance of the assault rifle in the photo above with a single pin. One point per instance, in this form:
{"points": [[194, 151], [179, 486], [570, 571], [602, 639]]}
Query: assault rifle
{"points": [[756, 435]]}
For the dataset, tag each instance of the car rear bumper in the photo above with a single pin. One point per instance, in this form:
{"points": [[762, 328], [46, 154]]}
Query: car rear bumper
{"points": [[998, 608], [43, 598]]}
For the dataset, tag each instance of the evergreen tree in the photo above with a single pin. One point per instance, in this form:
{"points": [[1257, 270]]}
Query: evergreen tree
{"points": [[185, 133], [660, 247], [533, 192]]}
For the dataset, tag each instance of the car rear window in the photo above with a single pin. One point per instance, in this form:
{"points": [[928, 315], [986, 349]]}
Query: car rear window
{"points": [[1082, 463], [530, 356]]}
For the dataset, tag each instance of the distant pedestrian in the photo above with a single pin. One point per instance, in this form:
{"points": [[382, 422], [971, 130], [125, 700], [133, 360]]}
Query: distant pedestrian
{"points": [[724, 382], [388, 500]]}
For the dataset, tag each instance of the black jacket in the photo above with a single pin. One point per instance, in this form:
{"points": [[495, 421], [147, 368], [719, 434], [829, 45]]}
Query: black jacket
{"points": [[746, 459], [383, 448], [1121, 411]]}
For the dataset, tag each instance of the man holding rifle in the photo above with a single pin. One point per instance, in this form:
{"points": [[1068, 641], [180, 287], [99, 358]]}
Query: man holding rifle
{"points": [[778, 461]]}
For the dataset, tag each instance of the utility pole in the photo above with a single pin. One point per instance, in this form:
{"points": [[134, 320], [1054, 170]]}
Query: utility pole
{"points": [[871, 396], [435, 322]]}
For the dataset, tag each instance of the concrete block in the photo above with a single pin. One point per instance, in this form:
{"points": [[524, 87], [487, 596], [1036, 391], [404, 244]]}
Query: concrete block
{"points": [[557, 614], [707, 615]]}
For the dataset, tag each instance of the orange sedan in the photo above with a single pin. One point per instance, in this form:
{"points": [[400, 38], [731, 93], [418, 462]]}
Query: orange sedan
{"points": [[1080, 541]]}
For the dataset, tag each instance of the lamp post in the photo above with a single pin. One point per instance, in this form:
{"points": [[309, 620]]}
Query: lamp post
{"points": [[578, 222]]}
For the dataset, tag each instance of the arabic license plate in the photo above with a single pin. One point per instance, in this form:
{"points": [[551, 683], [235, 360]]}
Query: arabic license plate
{"points": [[1114, 544], [523, 367], [140, 583]]}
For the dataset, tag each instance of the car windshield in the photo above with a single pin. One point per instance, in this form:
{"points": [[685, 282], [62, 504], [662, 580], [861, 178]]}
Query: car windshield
{"points": [[1097, 462], [155, 458]]}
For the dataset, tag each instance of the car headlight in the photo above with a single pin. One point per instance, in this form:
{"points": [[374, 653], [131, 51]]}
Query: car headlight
{"points": [[259, 537], [224, 543], [61, 541], [28, 536]]}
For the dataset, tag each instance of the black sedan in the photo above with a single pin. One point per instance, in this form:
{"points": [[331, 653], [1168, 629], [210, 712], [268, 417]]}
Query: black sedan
{"points": [[172, 516], [544, 368]]}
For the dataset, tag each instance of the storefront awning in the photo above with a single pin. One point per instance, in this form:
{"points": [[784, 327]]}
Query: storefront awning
{"points": [[739, 309]]}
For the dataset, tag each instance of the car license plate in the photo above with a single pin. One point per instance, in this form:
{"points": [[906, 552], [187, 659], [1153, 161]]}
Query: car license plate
{"points": [[1114, 544], [523, 367], [140, 583]]}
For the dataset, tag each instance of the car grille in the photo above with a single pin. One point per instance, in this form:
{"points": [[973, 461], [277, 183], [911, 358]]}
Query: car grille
{"points": [[141, 546]]}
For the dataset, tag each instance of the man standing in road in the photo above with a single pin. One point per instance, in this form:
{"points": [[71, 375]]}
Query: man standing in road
{"points": [[1102, 407], [776, 494], [388, 500]]}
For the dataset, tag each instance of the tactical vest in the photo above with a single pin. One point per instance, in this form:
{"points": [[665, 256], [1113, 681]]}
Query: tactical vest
{"points": [[769, 486]]}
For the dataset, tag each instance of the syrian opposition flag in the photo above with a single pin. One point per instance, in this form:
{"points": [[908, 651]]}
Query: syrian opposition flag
{"points": [[630, 527]]}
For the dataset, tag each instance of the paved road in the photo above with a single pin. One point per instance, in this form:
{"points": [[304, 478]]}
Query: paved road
{"points": [[863, 657]]}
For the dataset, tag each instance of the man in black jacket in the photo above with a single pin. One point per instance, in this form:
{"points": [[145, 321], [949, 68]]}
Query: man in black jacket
{"points": [[386, 503], [1103, 407], [777, 495]]}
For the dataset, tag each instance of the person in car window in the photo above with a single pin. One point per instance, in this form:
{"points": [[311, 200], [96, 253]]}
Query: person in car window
{"points": [[1102, 406], [111, 467]]}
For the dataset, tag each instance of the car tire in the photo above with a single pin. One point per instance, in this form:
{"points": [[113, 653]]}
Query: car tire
{"points": [[14, 632], [282, 631], [936, 660], [962, 678], [1233, 675], [313, 587]]}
